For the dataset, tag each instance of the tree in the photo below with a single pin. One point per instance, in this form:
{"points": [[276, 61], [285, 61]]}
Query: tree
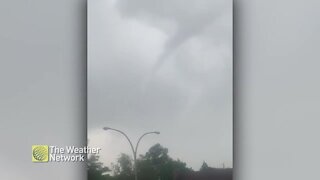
{"points": [[125, 164], [123, 169], [157, 164], [204, 166], [115, 169], [157, 152], [96, 169], [146, 170], [154, 165]]}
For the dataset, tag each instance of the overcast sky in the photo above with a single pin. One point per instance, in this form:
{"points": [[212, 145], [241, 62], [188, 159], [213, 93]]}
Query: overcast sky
{"points": [[161, 65]]}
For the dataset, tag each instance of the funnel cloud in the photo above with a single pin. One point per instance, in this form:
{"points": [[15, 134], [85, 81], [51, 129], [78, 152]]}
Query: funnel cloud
{"points": [[161, 66]]}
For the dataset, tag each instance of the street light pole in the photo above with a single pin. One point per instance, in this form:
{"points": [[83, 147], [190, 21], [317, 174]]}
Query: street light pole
{"points": [[134, 150]]}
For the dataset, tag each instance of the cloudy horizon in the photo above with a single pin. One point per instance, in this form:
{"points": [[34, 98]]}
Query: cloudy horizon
{"points": [[164, 66]]}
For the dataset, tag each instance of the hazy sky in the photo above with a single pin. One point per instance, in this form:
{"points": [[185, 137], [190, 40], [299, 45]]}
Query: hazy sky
{"points": [[161, 65]]}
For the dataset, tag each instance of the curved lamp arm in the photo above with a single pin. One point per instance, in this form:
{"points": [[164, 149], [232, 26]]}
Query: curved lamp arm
{"points": [[154, 132], [107, 128], [134, 150]]}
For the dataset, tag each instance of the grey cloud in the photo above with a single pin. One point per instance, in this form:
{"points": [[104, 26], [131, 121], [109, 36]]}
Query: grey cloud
{"points": [[189, 18], [162, 65]]}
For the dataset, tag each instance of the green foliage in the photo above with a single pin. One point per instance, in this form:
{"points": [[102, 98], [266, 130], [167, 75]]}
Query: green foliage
{"points": [[156, 164], [96, 170], [125, 163], [123, 168]]}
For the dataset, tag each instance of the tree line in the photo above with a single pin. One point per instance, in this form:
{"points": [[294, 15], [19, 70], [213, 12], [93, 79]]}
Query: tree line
{"points": [[156, 164]]}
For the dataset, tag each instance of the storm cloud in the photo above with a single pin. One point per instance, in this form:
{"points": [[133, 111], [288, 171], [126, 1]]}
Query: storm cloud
{"points": [[161, 65]]}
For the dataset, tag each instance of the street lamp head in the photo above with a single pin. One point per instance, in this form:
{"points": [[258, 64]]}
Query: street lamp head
{"points": [[157, 132], [106, 128]]}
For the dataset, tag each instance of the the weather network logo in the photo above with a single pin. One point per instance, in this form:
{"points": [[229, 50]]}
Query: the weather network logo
{"points": [[40, 153]]}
